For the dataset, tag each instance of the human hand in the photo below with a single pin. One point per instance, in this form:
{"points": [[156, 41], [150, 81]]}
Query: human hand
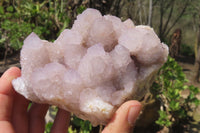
{"points": [[15, 118]]}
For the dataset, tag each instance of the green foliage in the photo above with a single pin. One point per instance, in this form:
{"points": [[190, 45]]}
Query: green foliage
{"points": [[76, 125], [47, 19], [52, 111], [83, 126], [15, 32], [163, 119], [29, 106], [80, 9], [48, 127], [1, 10], [168, 87]]}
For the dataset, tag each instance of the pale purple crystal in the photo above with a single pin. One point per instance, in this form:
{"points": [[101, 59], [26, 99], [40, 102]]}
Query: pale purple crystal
{"points": [[93, 68]]}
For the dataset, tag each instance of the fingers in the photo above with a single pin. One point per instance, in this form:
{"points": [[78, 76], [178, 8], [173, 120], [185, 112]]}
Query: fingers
{"points": [[6, 79], [61, 122], [6, 127], [6, 98], [20, 114], [37, 113], [124, 118]]}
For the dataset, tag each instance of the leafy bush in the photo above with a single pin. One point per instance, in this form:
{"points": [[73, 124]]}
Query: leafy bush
{"points": [[47, 19], [80, 126], [168, 87], [48, 127], [76, 125]]}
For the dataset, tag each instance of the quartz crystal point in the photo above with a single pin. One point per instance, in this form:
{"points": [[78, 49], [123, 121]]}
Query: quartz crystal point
{"points": [[93, 68]]}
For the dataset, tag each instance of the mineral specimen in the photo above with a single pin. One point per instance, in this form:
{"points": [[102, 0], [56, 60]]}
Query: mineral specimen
{"points": [[93, 68]]}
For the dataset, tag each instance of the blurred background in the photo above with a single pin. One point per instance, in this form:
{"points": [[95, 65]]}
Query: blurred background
{"points": [[172, 105]]}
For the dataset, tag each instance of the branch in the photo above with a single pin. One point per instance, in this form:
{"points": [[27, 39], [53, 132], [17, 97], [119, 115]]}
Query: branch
{"points": [[161, 18], [115, 8], [162, 11], [150, 13], [169, 17], [177, 19], [168, 5], [130, 13]]}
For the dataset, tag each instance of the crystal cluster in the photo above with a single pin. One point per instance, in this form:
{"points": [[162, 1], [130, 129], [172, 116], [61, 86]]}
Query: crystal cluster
{"points": [[92, 68]]}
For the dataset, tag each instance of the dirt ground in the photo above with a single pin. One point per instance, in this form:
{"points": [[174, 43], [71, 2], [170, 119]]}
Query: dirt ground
{"points": [[11, 61]]}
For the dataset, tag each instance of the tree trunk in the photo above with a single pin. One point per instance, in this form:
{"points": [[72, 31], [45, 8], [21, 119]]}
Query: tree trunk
{"points": [[174, 49], [166, 26], [140, 11], [196, 72], [197, 57], [150, 13], [161, 20]]}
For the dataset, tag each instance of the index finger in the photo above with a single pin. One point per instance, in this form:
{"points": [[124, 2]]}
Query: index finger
{"points": [[7, 92], [6, 79]]}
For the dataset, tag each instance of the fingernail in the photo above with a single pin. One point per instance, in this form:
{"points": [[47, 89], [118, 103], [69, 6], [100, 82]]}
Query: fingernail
{"points": [[133, 114]]}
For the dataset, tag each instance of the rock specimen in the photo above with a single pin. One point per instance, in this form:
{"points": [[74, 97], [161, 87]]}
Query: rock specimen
{"points": [[93, 68]]}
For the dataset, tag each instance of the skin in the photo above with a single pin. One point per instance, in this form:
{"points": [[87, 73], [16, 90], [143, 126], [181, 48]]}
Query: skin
{"points": [[14, 117]]}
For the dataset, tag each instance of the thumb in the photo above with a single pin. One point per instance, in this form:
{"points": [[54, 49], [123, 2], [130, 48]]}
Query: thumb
{"points": [[124, 118]]}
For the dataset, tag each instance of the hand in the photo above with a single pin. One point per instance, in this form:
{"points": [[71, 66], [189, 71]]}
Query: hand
{"points": [[15, 118]]}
